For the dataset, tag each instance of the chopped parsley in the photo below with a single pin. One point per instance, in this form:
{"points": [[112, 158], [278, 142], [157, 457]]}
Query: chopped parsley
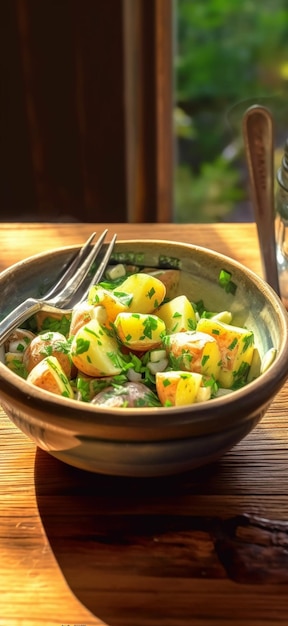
{"points": [[169, 262], [248, 341], [192, 324], [233, 344], [150, 293], [150, 325], [225, 281], [17, 366], [60, 325], [240, 376], [82, 345], [125, 298], [20, 347]]}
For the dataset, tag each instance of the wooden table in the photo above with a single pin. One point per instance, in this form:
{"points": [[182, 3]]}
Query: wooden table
{"points": [[83, 549]]}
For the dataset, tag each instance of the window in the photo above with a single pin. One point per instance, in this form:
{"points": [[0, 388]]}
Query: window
{"points": [[228, 56], [130, 110]]}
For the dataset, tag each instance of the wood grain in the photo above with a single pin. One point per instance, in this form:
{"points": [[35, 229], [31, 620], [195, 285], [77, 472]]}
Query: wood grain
{"points": [[206, 548], [18, 241]]}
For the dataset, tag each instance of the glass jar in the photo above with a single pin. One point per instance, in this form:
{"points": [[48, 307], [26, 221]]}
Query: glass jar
{"points": [[282, 225]]}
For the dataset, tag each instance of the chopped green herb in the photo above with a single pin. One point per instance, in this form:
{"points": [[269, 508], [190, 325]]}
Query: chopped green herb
{"points": [[60, 325], [225, 281], [117, 359], [125, 298], [248, 341], [91, 332], [128, 257], [169, 262], [211, 382], [233, 344], [150, 293], [150, 324], [149, 399], [175, 362], [47, 350], [240, 376], [113, 284], [16, 365], [192, 324], [20, 347], [199, 307], [82, 345]]}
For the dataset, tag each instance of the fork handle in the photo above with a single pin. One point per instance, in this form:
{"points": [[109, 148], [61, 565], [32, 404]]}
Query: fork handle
{"points": [[18, 316]]}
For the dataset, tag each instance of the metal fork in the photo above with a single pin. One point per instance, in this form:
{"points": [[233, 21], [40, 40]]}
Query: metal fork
{"points": [[67, 292]]}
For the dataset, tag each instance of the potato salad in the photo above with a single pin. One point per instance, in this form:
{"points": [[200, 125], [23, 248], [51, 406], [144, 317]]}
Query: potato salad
{"points": [[136, 342]]}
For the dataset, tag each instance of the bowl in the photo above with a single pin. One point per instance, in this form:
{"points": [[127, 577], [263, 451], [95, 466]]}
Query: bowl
{"points": [[146, 442]]}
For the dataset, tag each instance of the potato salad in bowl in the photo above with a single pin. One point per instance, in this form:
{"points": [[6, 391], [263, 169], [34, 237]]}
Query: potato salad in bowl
{"points": [[135, 343], [173, 358]]}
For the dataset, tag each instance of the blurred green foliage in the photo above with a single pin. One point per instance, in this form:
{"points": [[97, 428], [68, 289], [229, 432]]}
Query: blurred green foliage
{"points": [[229, 55], [212, 193]]}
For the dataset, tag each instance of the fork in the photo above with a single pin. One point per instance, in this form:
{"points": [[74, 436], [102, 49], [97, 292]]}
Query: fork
{"points": [[67, 291]]}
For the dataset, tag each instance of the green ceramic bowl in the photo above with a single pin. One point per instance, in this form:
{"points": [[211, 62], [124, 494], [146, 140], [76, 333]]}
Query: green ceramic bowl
{"points": [[150, 441]]}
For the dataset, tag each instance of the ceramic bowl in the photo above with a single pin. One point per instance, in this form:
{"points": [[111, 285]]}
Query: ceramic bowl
{"points": [[149, 442]]}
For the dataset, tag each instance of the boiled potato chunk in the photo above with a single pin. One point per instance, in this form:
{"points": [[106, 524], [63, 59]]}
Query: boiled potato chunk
{"points": [[83, 313], [98, 296], [180, 388], [48, 344], [223, 316], [236, 347], [18, 340], [170, 278], [147, 292], [178, 315], [48, 374], [139, 331], [95, 352], [130, 394], [15, 347], [195, 352]]}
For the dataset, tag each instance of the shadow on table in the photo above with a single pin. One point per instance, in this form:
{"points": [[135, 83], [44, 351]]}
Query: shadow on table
{"points": [[117, 539]]}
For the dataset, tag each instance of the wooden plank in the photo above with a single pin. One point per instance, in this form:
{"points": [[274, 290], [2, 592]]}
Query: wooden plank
{"points": [[19, 240]]}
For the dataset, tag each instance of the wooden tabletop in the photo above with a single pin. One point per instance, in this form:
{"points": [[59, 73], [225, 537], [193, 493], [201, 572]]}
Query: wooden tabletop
{"points": [[208, 548]]}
